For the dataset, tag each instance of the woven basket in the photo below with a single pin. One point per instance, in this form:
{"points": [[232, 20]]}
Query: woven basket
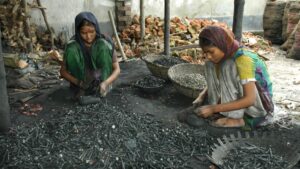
{"points": [[181, 70], [156, 69]]}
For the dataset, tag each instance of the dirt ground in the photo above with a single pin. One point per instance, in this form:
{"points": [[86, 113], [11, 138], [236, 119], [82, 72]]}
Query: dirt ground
{"points": [[285, 74], [164, 105]]}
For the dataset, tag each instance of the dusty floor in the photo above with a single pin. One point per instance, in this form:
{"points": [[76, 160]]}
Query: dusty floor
{"points": [[164, 105], [285, 74]]}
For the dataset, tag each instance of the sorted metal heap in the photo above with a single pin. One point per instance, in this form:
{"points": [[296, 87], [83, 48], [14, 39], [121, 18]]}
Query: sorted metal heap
{"points": [[102, 136], [251, 156], [193, 80], [169, 61]]}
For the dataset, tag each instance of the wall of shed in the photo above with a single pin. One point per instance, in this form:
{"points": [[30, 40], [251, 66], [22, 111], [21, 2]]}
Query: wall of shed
{"points": [[61, 14]]}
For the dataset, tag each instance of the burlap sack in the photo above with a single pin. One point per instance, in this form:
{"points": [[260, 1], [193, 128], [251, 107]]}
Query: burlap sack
{"points": [[290, 41], [293, 16], [295, 50], [272, 21], [285, 20]]}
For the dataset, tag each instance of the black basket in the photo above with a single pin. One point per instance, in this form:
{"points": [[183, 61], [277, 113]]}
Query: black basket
{"points": [[150, 89]]}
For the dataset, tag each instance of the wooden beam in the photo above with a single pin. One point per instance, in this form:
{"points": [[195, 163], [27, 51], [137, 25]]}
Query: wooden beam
{"points": [[47, 24], [142, 19], [237, 26], [5, 122], [167, 28], [185, 47], [112, 21], [27, 27]]}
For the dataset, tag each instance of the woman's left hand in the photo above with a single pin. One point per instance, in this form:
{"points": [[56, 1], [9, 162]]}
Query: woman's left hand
{"points": [[103, 88], [205, 111]]}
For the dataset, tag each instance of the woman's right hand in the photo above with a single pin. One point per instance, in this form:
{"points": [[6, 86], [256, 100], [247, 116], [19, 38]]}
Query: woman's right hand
{"points": [[83, 85], [103, 88], [205, 111], [54, 55]]}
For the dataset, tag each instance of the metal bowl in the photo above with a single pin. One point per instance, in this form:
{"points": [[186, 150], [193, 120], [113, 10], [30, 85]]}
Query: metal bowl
{"points": [[144, 84]]}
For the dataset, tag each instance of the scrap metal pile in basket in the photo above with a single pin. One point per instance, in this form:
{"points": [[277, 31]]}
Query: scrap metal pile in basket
{"points": [[188, 78], [150, 84], [160, 64], [254, 151]]}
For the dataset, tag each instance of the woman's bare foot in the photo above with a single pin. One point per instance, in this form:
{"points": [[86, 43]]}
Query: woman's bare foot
{"points": [[228, 122]]}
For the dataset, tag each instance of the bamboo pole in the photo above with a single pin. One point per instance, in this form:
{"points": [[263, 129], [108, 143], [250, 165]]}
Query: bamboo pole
{"points": [[142, 19], [185, 47], [5, 122], [167, 28], [27, 27], [116, 35], [237, 26], [47, 24]]}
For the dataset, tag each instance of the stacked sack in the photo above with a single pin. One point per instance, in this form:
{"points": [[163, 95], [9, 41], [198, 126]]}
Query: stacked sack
{"points": [[272, 21], [291, 29]]}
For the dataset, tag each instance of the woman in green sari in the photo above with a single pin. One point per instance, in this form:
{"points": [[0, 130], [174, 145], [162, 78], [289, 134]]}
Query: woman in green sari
{"points": [[90, 63]]}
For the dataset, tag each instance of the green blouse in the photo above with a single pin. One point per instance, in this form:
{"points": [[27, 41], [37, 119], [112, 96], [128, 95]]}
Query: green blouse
{"points": [[101, 59]]}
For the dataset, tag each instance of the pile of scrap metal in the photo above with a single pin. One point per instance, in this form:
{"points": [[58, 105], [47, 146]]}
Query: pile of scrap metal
{"points": [[253, 150]]}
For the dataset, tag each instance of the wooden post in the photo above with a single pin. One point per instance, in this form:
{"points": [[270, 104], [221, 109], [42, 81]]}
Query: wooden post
{"points": [[142, 19], [27, 27], [237, 26], [47, 24], [116, 35], [4, 106], [167, 28]]}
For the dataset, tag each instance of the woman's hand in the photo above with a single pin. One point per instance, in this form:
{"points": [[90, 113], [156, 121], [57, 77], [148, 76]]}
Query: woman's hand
{"points": [[103, 88], [83, 85], [205, 111], [55, 55]]}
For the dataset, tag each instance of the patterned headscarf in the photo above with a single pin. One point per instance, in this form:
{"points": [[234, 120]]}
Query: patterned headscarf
{"points": [[90, 17], [221, 38]]}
